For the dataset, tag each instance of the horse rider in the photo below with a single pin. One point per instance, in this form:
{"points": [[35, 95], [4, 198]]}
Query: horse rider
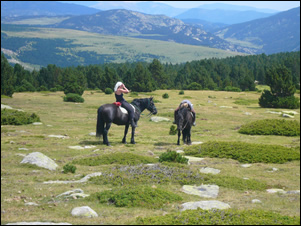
{"points": [[191, 109], [119, 90]]}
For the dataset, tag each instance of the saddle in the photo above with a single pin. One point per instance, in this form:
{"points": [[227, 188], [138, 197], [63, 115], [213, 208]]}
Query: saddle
{"points": [[122, 109]]}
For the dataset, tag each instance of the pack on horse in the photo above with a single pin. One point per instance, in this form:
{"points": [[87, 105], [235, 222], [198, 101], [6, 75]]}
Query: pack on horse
{"points": [[184, 121], [111, 113]]}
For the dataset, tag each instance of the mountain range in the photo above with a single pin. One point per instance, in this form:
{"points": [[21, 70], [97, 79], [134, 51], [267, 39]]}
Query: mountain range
{"points": [[241, 29]]}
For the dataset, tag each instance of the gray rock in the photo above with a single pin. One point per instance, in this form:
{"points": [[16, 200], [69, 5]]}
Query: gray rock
{"points": [[83, 211], [85, 179], [37, 123], [58, 136], [208, 170], [206, 191], [159, 119], [275, 190], [256, 201], [205, 205], [41, 160], [246, 165]]}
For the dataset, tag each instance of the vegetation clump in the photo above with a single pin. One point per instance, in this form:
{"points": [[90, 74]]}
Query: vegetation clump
{"points": [[138, 196], [108, 91], [73, 97], [69, 168], [165, 96], [272, 127], [244, 152], [165, 174], [173, 130], [115, 158], [172, 156], [220, 217], [15, 117]]}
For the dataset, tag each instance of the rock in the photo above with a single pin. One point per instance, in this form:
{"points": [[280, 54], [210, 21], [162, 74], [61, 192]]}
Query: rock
{"points": [[209, 170], [83, 211], [76, 147], [256, 201], [92, 134], [275, 190], [205, 205], [58, 136], [3, 106], [159, 119], [192, 159], [31, 204], [206, 191], [24, 149], [85, 179], [287, 116], [74, 194], [37, 158], [293, 192], [246, 165], [37, 123], [197, 142]]}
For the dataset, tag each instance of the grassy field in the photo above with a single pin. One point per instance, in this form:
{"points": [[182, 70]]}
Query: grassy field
{"points": [[115, 49], [218, 119]]}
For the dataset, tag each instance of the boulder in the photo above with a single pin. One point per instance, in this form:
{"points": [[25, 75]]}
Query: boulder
{"points": [[205, 205], [206, 191], [83, 211], [41, 160]]}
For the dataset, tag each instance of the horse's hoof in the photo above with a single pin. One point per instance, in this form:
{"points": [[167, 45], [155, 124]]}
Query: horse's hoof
{"points": [[133, 142]]}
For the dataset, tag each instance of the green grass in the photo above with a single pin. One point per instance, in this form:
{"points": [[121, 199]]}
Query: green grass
{"points": [[23, 182]]}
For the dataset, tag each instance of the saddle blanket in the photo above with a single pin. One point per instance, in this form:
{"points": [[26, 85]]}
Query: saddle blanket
{"points": [[123, 110]]}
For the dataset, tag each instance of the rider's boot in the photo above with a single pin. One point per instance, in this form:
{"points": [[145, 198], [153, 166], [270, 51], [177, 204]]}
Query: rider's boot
{"points": [[133, 124]]}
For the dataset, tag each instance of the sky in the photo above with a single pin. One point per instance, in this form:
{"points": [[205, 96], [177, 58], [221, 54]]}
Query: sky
{"points": [[275, 5]]}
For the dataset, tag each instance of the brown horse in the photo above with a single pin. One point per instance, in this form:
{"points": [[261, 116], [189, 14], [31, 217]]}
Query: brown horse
{"points": [[184, 120]]}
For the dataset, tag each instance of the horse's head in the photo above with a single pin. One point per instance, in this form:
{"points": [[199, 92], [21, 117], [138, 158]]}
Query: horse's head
{"points": [[151, 106]]}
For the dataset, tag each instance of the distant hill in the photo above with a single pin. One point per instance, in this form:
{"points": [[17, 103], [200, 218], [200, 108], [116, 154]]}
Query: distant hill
{"points": [[278, 33], [221, 15], [44, 8], [135, 24]]}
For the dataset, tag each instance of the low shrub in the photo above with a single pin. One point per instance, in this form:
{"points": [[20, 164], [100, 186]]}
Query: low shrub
{"points": [[232, 89], [115, 158], [73, 97], [69, 168], [15, 117], [181, 92], [172, 156], [244, 152], [138, 196], [173, 130], [165, 96], [166, 174], [108, 91], [280, 127], [220, 217]]}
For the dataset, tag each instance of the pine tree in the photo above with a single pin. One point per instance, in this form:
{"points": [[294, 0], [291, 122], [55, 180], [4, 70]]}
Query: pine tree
{"points": [[7, 77]]}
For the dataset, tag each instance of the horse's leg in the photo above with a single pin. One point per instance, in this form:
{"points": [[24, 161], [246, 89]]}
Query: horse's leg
{"points": [[105, 133], [179, 135], [189, 137], [184, 137], [133, 135], [125, 133]]}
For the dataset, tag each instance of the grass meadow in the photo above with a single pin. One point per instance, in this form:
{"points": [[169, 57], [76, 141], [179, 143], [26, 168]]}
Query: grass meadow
{"points": [[219, 116]]}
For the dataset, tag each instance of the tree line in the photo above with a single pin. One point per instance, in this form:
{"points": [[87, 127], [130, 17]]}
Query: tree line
{"points": [[232, 73]]}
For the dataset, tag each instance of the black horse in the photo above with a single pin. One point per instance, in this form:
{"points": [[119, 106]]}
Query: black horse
{"points": [[110, 113], [184, 120]]}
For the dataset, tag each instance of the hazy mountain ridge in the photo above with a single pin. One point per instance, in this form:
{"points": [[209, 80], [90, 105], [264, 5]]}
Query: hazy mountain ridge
{"points": [[135, 24], [278, 33]]}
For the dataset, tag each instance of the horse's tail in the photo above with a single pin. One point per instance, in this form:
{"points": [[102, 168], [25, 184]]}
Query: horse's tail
{"points": [[100, 123]]}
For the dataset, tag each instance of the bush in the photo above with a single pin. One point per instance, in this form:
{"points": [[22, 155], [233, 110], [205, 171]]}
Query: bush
{"points": [[14, 117], [173, 130], [181, 92], [172, 156], [220, 217], [245, 152], [138, 196], [268, 100], [280, 127], [73, 97], [69, 168], [232, 89], [108, 91], [165, 96]]}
